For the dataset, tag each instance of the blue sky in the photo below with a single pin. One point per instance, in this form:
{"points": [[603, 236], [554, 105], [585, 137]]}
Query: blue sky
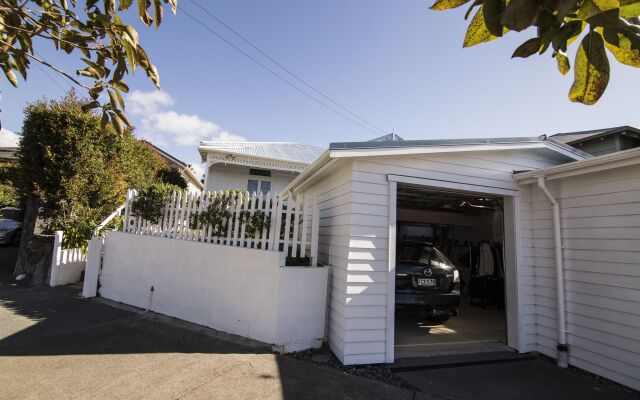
{"points": [[395, 63]]}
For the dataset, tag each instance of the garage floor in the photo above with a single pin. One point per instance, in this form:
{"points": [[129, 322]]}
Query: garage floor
{"points": [[473, 330]]}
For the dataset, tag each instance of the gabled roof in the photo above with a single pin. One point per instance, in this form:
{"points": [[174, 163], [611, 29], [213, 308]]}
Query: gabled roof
{"points": [[285, 151], [581, 136], [345, 150]]}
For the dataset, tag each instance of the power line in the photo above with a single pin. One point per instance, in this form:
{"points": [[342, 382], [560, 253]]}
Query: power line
{"points": [[288, 82], [247, 41]]}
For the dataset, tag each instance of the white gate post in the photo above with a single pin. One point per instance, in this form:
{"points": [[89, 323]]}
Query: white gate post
{"points": [[55, 259], [92, 270]]}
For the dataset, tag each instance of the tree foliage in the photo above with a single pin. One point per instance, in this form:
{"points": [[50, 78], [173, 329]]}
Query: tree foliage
{"points": [[108, 47], [8, 192], [76, 168], [612, 25]]}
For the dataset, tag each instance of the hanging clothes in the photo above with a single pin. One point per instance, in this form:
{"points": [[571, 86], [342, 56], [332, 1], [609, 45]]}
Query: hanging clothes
{"points": [[486, 266]]}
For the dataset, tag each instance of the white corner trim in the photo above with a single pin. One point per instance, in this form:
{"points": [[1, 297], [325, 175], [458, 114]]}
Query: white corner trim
{"points": [[439, 184], [391, 278]]}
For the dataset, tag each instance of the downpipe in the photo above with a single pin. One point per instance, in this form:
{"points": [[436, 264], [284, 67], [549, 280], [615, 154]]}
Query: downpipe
{"points": [[563, 350]]}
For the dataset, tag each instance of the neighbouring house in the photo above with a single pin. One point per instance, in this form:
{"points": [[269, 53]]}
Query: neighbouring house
{"points": [[193, 181], [602, 141], [467, 199], [259, 167], [8, 154]]}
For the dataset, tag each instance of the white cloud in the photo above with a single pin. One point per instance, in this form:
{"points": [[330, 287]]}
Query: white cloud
{"points": [[164, 126], [8, 138]]}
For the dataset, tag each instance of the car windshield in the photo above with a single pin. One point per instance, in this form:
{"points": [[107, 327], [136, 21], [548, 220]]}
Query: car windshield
{"points": [[415, 254], [422, 255]]}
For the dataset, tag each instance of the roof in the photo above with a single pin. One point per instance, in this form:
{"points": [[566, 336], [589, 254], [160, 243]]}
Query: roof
{"points": [[599, 163], [405, 147], [581, 136], [293, 152], [458, 143], [182, 166]]}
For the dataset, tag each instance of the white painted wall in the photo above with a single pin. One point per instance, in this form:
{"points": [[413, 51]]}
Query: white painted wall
{"points": [[355, 227], [236, 290], [230, 177], [600, 218]]}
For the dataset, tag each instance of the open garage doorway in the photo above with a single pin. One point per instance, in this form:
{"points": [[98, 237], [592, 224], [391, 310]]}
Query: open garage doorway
{"points": [[449, 272]]}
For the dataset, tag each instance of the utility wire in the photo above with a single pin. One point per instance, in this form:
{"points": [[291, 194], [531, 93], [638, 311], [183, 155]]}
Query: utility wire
{"points": [[247, 41], [285, 80]]}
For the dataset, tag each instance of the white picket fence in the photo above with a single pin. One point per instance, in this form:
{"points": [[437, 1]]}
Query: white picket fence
{"points": [[67, 265], [286, 226]]}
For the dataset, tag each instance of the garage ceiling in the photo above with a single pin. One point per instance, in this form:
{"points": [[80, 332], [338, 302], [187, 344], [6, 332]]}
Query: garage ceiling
{"points": [[419, 198]]}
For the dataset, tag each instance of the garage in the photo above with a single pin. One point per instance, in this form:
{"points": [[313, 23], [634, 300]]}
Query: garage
{"points": [[453, 194], [450, 272]]}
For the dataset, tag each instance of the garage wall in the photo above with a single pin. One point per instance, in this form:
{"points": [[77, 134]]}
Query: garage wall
{"points": [[333, 196], [367, 267], [601, 237]]}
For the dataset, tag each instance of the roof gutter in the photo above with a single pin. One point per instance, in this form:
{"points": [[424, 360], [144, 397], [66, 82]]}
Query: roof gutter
{"points": [[563, 350]]}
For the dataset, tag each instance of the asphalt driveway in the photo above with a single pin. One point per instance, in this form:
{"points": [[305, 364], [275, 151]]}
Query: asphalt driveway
{"points": [[54, 345]]}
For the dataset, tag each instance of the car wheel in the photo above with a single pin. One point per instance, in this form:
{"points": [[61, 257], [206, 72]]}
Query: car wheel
{"points": [[440, 319], [15, 239]]}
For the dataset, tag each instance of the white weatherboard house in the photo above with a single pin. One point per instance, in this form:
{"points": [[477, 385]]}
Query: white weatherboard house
{"points": [[259, 167], [563, 228]]}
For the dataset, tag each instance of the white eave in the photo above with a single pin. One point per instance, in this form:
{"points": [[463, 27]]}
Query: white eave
{"points": [[596, 164]]}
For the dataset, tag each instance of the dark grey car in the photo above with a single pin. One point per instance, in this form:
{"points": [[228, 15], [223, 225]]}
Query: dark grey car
{"points": [[426, 279]]}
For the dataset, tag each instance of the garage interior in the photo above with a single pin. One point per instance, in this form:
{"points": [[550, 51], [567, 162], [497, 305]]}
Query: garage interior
{"points": [[469, 230]]}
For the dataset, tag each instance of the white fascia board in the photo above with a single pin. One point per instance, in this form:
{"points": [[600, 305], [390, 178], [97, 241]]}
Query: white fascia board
{"points": [[391, 151], [590, 165]]}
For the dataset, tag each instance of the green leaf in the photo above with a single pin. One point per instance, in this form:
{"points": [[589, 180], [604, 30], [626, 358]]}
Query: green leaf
{"points": [[567, 34], [623, 53], [591, 8], [527, 48], [477, 31], [591, 70], [12, 77], [117, 124], [629, 8], [152, 72], [492, 10], [120, 86], [125, 4], [447, 4], [157, 12], [142, 12], [520, 14], [562, 62]]}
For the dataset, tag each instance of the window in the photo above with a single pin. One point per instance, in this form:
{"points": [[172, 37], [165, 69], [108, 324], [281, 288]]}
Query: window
{"points": [[253, 185], [259, 172], [258, 186]]}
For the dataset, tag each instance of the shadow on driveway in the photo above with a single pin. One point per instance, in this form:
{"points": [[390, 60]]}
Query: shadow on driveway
{"points": [[54, 345]]}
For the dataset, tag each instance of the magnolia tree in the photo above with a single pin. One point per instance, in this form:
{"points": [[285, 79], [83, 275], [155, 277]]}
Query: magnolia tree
{"points": [[611, 25], [93, 30]]}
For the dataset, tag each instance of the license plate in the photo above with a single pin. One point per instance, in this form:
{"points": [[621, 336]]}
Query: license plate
{"points": [[426, 282]]}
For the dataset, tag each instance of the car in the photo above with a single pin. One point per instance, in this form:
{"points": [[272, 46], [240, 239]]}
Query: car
{"points": [[426, 280], [10, 229]]}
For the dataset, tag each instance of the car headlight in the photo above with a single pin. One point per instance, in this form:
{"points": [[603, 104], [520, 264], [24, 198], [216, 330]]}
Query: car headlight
{"points": [[456, 276]]}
